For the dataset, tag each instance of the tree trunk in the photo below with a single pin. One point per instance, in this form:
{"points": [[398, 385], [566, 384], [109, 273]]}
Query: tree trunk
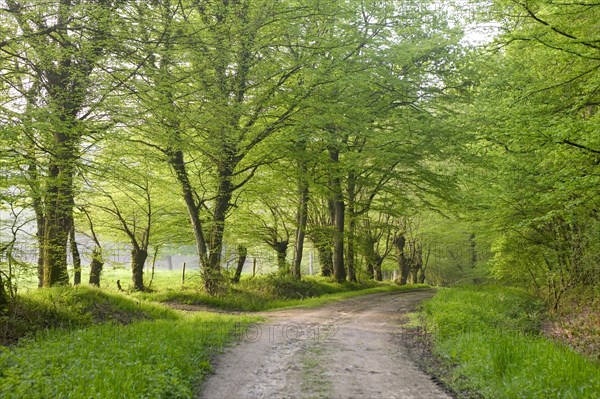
{"points": [[325, 259], [422, 276], [177, 163], [96, 267], [138, 259], [55, 249], [75, 255], [301, 221], [350, 252], [369, 251], [339, 270], [40, 241], [417, 263], [212, 272], [242, 254], [3, 296], [404, 267], [378, 272], [59, 210], [281, 249]]}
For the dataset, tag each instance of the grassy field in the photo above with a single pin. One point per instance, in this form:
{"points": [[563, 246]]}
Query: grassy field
{"points": [[489, 337], [163, 279]]}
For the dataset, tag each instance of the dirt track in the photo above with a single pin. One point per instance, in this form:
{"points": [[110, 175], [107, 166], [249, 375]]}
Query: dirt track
{"points": [[349, 349]]}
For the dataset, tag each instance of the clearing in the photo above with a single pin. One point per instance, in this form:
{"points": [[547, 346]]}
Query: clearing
{"points": [[349, 349]]}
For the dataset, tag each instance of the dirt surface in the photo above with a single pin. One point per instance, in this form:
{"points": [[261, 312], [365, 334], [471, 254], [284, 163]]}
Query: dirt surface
{"points": [[350, 349]]}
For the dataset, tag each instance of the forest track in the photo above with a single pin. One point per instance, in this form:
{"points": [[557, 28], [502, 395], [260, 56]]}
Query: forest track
{"points": [[355, 348]]}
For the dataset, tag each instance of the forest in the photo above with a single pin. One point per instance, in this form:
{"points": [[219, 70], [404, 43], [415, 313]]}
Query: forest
{"points": [[444, 142]]}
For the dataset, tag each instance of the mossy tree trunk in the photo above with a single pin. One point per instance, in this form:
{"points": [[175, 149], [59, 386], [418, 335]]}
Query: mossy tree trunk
{"points": [[242, 255], [403, 264], [96, 267], [138, 260]]}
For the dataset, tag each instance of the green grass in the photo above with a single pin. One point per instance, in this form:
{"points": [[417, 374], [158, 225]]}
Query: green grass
{"points": [[273, 292], [66, 307], [87, 342], [163, 279], [490, 337], [147, 359]]}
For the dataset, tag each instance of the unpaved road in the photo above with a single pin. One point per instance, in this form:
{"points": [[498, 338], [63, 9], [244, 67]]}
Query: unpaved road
{"points": [[349, 349]]}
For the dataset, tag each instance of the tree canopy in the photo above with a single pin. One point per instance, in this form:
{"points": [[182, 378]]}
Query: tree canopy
{"points": [[371, 130]]}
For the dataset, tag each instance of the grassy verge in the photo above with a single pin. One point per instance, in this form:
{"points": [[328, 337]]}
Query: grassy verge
{"points": [[68, 308], [86, 343], [273, 292], [90, 343], [149, 359], [490, 337]]}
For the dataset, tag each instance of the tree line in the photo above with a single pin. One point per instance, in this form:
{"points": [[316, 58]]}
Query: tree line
{"points": [[361, 127]]}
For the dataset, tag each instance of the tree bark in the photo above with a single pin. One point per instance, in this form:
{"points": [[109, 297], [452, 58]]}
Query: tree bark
{"points": [[422, 276], [301, 222], [57, 221], [242, 255], [75, 255], [3, 296], [177, 163], [39, 235], [212, 272], [96, 267], [325, 259], [281, 248], [138, 259], [339, 270], [378, 271], [350, 250], [370, 258], [400, 243]]}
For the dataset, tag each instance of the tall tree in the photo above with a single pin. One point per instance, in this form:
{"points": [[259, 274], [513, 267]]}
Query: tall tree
{"points": [[60, 46]]}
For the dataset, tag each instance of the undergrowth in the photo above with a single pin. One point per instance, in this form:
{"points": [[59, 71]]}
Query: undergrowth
{"points": [[490, 336]]}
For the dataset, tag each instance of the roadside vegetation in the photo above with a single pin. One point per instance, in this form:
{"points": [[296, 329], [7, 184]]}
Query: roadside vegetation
{"points": [[272, 292], [489, 338], [147, 359], [87, 342]]}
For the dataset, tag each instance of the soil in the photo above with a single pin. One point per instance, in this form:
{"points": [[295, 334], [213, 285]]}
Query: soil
{"points": [[356, 348]]}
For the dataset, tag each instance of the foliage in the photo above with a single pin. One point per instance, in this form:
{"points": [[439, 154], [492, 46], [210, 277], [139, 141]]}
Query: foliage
{"points": [[529, 107], [490, 337]]}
